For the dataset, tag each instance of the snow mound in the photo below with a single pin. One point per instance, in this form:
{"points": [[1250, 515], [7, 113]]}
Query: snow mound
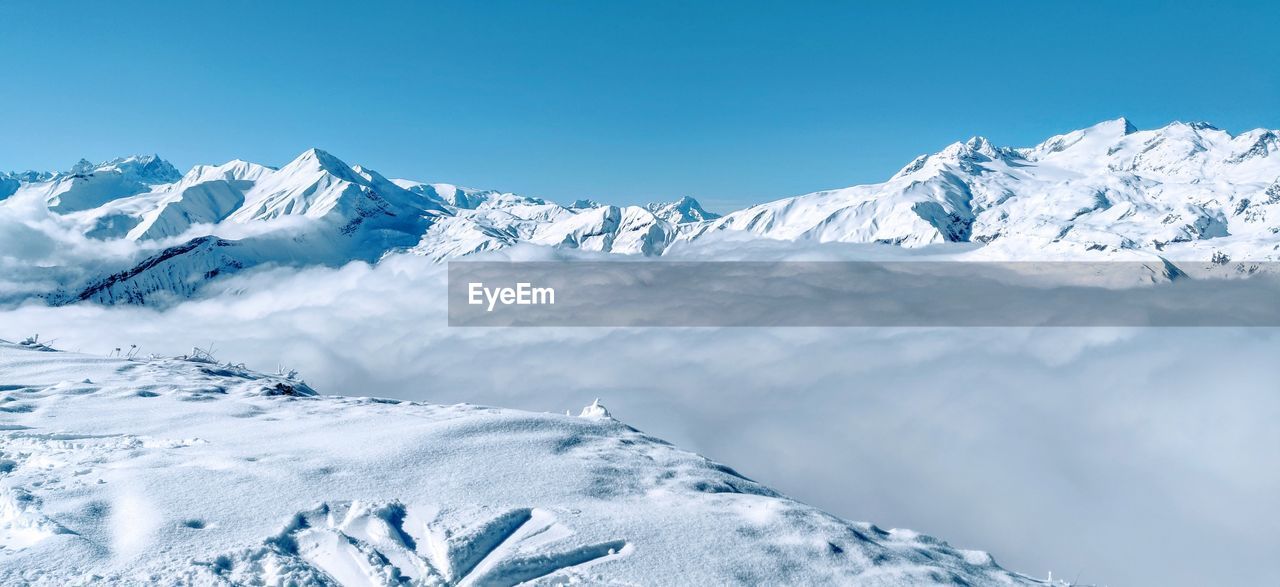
{"points": [[190, 471], [595, 410]]}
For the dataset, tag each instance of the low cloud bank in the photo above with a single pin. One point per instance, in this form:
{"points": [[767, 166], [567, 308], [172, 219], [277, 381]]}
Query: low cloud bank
{"points": [[1128, 456]]}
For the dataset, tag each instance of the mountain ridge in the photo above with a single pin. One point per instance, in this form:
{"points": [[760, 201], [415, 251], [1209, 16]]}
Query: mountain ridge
{"points": [[1107, 191]]}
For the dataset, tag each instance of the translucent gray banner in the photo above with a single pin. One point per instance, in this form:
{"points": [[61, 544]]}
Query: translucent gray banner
{"points": [[911, 293]]}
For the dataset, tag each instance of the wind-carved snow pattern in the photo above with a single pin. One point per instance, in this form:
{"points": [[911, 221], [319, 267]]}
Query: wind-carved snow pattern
{"points": [[387, 543]]}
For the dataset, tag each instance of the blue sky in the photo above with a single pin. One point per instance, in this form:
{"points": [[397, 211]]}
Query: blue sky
{"points": [[620, 101]]}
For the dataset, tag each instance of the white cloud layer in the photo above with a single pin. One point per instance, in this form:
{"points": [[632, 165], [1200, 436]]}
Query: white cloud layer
{"points": [[1125, 456]]}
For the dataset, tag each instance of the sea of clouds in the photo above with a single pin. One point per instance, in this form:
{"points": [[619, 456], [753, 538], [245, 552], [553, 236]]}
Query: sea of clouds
{"points": [[1114, 456]]}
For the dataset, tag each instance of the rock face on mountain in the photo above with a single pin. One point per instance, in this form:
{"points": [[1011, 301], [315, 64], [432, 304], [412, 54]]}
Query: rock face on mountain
{"points": [[1110, 191], [176, 272]]}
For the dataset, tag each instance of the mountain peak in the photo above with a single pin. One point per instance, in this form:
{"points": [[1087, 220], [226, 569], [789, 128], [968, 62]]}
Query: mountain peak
{"points": [[1121, 126], [315, 152], [1193, 125], [980, 144], [320, 156], [82, 167], [584, 204], [1087, 142], [315, 159], [147, 169], [29, 176], [685, 209], [977, 147]]}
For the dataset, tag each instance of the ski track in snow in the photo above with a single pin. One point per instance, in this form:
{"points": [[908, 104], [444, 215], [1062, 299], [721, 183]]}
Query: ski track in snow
{"points": [[185, 471]]}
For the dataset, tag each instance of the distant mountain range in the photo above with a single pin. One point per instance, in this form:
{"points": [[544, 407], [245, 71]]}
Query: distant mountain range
{"points": [[1110, 191]]}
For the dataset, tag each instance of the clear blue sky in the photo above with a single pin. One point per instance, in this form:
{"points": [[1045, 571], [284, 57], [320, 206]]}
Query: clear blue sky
{"points": [[620, 101]]}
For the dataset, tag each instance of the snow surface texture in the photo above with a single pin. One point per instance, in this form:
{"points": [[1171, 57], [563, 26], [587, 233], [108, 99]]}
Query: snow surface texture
{"points": [[184, 470], [138, 232]]}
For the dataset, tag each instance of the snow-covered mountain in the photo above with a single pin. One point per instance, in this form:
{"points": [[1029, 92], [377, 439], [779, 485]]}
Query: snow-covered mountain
{"points": [[316, 210], [185, 471], [1110, 191], [1185, 190], [681, 211], [88, 186]]}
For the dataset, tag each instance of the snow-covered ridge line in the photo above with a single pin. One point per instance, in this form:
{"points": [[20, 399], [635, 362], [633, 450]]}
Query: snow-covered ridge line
{"points": [[1110, 191], [189, 471]]}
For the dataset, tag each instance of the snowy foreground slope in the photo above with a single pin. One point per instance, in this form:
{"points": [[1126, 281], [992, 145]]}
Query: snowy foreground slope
{"points": [[184, 471]]}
